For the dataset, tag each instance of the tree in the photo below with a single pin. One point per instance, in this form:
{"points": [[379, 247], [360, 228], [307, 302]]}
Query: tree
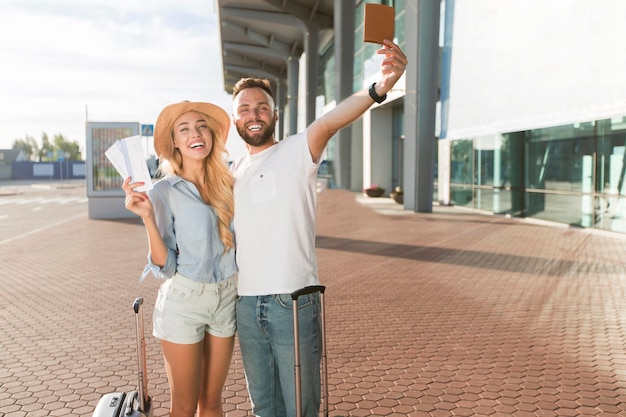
{"points": [[48, 151], [68, 148], [28, 145]]}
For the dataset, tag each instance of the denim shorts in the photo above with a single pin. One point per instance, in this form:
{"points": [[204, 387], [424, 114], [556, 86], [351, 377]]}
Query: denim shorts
{"points": [[185, 310]]}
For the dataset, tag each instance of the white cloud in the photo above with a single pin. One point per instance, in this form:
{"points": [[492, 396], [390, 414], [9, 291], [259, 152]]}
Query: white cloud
{"points": [[105, 60]]}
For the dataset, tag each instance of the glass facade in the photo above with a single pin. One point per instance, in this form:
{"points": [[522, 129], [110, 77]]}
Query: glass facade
{"points": [[326, 77], [397, 152], [366, 65], [485, 174], [572, 174]]}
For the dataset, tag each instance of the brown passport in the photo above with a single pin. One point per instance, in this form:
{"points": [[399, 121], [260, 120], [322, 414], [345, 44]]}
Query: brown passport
{"points": [[378, 23]]}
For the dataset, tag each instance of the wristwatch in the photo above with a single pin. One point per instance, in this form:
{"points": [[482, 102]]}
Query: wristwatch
{"points": [[376, 97]]}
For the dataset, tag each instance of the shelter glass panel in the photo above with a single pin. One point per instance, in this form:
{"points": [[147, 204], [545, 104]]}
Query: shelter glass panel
{"points": [[102, 177]]}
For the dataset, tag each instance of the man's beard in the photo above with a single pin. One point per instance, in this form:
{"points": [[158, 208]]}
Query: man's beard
{"points": [[259, 138]]}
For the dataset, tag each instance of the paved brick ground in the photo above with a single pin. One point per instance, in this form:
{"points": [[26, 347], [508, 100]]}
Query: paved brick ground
{"points": [[450, 313]]}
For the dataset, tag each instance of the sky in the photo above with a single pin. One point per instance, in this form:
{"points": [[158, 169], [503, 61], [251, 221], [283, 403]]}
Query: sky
{"points": [[65, 62]]}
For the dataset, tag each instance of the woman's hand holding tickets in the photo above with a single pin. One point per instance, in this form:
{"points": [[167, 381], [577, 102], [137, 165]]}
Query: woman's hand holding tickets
{"points": [[137, 201]]}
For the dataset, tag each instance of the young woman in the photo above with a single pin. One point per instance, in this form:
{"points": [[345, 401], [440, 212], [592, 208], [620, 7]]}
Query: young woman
{"points": [[188, 218]]}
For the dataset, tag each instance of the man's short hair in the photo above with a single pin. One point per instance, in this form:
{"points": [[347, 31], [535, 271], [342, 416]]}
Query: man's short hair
{"points": [[253, 82]]}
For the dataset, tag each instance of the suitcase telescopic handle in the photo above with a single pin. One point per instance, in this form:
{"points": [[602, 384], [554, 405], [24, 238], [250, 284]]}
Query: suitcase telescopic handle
{"points": [[307, 290], [142, 375], [137, 304], [311, 289]]}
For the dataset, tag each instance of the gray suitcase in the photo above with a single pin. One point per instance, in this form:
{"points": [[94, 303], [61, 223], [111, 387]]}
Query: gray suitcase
{"points": [[296, 337], [136, 403]]}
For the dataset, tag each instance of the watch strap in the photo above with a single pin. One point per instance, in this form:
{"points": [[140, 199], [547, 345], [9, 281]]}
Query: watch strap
{"points": [[374, 96]]}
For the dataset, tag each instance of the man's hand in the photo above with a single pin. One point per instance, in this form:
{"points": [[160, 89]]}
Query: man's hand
{"points": [[392, 67]]}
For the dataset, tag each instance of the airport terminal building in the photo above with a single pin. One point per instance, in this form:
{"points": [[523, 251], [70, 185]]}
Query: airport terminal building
{"points": [[515, 108]]}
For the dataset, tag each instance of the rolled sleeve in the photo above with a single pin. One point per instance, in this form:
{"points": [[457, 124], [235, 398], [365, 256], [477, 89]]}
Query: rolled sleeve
{"points": [[165, 223], [165, 272]]}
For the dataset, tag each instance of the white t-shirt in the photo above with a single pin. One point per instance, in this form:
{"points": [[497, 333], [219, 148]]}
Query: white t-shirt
{"points": [[275, 204]]}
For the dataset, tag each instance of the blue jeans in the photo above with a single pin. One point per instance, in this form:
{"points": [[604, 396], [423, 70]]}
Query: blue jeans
{"points": [[265, 333]]}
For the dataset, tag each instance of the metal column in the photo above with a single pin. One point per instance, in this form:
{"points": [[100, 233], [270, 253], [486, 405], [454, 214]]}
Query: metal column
{"points": [[293, 70], [344, 63], [422, 82]]}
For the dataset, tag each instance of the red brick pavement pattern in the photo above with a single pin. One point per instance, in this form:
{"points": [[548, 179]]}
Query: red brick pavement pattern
{"points": [[442, 314]]}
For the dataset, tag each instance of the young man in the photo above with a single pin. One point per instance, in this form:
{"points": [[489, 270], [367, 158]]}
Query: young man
{"points": [[275, 205]]}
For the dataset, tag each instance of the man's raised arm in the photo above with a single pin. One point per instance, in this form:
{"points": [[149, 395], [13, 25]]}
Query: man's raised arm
{"points": [[350, 109]]}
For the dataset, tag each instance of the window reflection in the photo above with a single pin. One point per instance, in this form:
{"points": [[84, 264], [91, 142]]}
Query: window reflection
{"points": [[573, 174]]}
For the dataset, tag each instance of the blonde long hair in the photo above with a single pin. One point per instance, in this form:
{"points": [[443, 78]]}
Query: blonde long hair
{"points": [[220, 193]]}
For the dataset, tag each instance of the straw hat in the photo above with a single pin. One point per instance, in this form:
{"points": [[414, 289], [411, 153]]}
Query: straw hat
{"points": [[163, 144]]}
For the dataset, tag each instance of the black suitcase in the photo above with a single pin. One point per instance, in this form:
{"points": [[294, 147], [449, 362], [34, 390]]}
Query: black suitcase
{"points": [[296, 337], [133, 403]]}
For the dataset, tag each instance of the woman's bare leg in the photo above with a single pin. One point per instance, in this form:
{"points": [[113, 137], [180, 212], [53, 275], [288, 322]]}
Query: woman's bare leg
{"points": [[184, 372], [217, 356]]}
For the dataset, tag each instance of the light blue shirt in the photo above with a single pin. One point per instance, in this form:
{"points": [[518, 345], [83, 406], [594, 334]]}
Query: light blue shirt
{"points": [[189, 229]]}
